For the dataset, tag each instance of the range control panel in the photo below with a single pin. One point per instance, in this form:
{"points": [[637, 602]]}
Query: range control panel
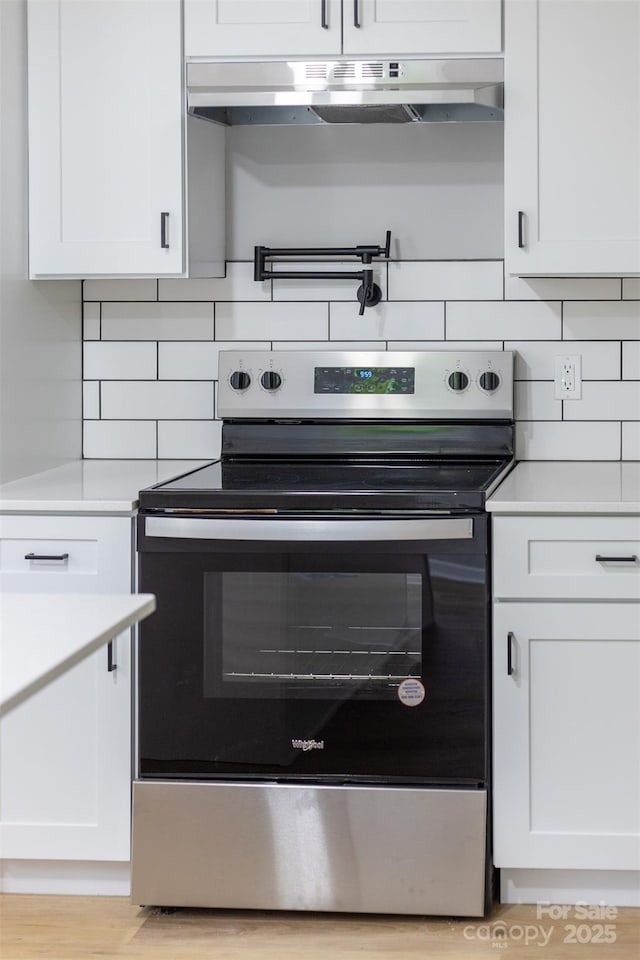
{"points": [[298, 384]]}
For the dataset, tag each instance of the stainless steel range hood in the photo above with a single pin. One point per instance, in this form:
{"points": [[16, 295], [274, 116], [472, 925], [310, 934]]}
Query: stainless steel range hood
{"points": [[346, 91]]}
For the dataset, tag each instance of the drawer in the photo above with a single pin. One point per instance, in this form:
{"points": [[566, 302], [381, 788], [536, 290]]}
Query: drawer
{"points": [[65, 554], [586, 558]]}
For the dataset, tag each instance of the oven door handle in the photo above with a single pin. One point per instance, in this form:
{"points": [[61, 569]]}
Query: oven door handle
{"points": [[208, 528]]}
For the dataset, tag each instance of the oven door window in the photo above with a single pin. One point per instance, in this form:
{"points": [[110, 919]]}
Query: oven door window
{"points": [[307, 633]]}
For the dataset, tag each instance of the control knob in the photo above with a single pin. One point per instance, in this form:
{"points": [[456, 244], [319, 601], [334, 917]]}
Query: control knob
{"points": [[489, 381], [270, 380], [458, 380], [239, 380]]}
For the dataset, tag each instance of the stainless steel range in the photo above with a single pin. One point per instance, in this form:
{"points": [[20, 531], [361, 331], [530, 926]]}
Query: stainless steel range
{"points": [[313, 728]]}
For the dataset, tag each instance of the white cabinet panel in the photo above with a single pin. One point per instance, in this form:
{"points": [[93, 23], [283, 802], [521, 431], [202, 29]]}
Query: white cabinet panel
{"points": [[230, 28], [105, 137], [65, 754], [572, 137], [567, 736], [582, 558], [422, 26]]}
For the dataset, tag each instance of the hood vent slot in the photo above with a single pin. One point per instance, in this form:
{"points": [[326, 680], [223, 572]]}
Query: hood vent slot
{"points": [[316, 71], [372, 70]]}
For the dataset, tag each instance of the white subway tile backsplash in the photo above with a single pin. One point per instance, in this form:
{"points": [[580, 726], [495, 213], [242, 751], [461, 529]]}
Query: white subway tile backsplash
{"points": [[631, 360], [120, 439], [189, 439], [157, 400], [143, 289], [193, 360], [338, 345], [91, 400], [115, 360], [446, 280], [237, 285], [198, 361], [631, 288], [562, 440], [157, 321], [631, 441], [456, 347], [513, 320], [325, 290], [561, 288], [90, 321], [535, 400], [606, 401], [535, 360], [606, 320], [272, 321], [387, 321], [151, 347]]}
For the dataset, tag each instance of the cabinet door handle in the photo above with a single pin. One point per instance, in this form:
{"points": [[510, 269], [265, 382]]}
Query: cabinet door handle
{"points": [[323, 15], [510, 639], [521, 218], [356, 14], [57, 557], [630, 559], [111, 664], [164, 230]]}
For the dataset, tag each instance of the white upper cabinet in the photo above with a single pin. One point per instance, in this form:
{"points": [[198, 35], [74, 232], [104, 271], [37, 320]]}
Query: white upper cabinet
{"points": [[422, 26], [572, 137], [105, 137], [231, 28]]}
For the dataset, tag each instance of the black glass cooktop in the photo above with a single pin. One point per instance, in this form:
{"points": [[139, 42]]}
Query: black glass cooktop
{"points": [[328, 485]]}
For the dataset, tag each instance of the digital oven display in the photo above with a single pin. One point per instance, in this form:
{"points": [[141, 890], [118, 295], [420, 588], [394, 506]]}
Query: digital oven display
{"points": [[390, 380]]}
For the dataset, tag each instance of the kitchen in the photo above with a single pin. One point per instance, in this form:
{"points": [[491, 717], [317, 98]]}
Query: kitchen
{"points": [[151, 343]]}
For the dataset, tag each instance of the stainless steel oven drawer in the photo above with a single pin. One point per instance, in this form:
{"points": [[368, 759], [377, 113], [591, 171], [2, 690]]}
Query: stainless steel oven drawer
{"points": [[275, 846]]}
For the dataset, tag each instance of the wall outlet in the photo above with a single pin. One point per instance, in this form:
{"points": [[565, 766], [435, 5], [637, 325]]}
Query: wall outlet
{"points": [[568, 378]]}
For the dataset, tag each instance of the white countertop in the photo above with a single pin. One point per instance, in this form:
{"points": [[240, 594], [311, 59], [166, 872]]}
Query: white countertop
{"points": [[569, 487], [44, 635], [89, 486]]}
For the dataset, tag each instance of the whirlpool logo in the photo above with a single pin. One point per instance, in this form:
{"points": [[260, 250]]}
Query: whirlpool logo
{"points": [[307, 745]]}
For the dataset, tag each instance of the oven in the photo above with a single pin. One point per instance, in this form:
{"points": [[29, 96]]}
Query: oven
{"points": [[313, 706]]}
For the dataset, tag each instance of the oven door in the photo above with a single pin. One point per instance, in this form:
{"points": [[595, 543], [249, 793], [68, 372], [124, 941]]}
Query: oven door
{"points": [[339, 649]]}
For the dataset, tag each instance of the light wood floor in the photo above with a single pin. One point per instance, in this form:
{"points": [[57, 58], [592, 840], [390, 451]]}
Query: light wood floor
{"points": [[109, 928]]}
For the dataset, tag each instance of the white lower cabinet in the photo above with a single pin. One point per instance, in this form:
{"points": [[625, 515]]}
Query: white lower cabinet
{"points": [[566, 708], [566, 731], [65, 754]]}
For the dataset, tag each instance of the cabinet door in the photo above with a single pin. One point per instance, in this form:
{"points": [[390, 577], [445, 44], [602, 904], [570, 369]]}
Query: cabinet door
{"points": [[65, 753], [572, 136], [566, 732], [399, 27], [231, 28], [105, 138]]}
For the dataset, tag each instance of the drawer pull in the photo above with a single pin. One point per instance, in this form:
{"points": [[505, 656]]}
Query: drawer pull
{"points": [[631, 559], [57, 557], [510, 654], [111, 664]]}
